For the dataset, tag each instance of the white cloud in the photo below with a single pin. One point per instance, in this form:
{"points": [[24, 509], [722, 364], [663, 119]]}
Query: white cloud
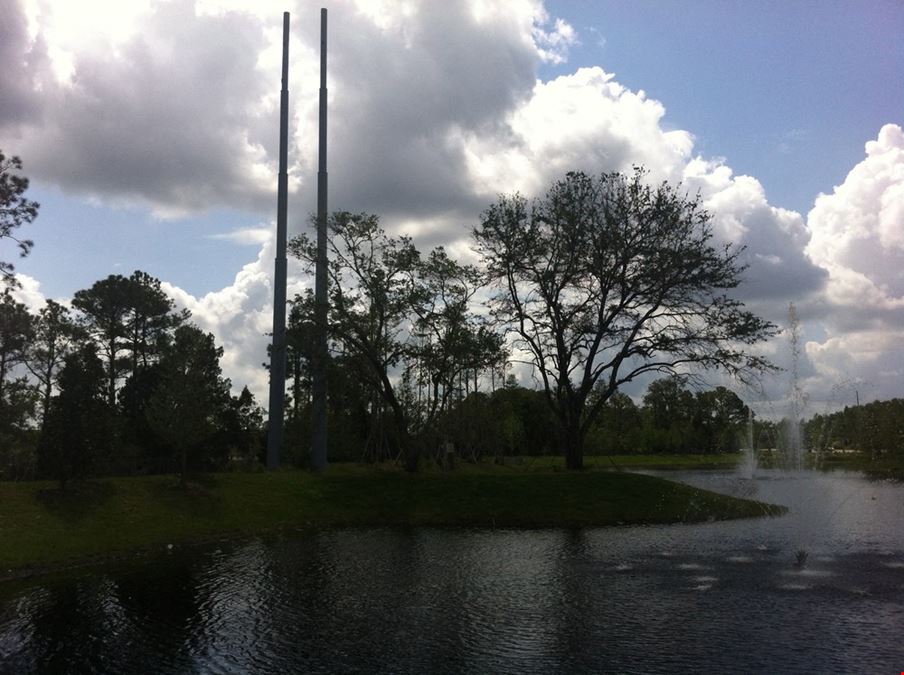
{"points": [[435, 109], [247, 236], [858, 230], [240, 317], [588, 121], [858, 236], [29, 293]]}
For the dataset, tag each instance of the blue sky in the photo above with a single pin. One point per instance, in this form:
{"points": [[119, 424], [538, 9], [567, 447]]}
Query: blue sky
{"points": [[787, 91], [148, 129]]}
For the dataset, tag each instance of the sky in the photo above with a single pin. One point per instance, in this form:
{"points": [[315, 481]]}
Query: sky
{"points": [[149, 130]]}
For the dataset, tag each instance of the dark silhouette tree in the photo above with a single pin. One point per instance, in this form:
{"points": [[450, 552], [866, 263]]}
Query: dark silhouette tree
{"points": [[130, 318], [392, 313], [300, 334], [105, 308], [452, 340], [607, 278], [16, 331], [719, 420], [241, 426], [55, 336], [372, 298], [140, 447], [150, 321], [15, 210], [16, 399], [186, 407], [76, 435]]}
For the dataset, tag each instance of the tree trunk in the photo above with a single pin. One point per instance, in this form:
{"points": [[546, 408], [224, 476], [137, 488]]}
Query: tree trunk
{"points": [[45, 401], [412, 454], [111, 375], [573, 443]]}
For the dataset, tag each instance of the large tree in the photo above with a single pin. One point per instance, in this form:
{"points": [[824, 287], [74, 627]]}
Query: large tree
{"points": [[104, 308], [16, 399], [392, 311], [15, 210], [608, 277], [372, 295], [16, 330], [150, 321], [130, 318], [187, 405], [453, 341], [76, 434], [55, 335]]}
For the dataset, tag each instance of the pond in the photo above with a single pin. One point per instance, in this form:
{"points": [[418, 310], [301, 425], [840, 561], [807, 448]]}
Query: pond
{"points": [[718, 597]]}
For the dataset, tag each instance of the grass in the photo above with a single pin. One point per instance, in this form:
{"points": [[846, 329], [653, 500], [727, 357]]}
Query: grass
{"points": [[41, 528], [884, 466]]}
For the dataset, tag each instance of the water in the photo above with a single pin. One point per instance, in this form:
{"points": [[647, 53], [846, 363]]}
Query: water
{"points": [[719, 597]]}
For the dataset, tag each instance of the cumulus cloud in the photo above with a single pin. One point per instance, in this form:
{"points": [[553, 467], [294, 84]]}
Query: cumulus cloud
{"points": [[435, 109], [858, 230], [174, 104], [858, 236], [240, 315], [29, 293], [588, 121], [25, 68], [167, 117]]}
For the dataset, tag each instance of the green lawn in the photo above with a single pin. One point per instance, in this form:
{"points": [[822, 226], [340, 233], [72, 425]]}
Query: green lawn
{"points": [[41, 527]]}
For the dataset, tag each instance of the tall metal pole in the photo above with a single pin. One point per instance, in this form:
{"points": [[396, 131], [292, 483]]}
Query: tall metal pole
{"points": [[321, 303], [278, 348]]}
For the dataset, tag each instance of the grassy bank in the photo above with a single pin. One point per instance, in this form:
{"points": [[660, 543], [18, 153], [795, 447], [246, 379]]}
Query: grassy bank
{"points": [[39, 526], [884, 466]]}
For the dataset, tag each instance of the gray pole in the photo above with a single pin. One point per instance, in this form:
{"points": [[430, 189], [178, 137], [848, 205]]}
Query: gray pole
{"points": [[278, 348], [321, 303]]}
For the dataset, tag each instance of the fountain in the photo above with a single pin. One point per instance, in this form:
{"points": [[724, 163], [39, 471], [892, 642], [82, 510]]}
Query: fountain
{"points": [[797, 400], [790, 442], [747, 467]]}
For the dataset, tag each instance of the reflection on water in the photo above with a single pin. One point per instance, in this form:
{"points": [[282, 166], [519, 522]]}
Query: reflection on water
{"points": [[717, 597]]}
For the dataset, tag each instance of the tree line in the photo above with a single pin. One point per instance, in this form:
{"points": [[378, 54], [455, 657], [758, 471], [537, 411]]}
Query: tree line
{"points": [[119, 383], [603, 280], [875, 428]]}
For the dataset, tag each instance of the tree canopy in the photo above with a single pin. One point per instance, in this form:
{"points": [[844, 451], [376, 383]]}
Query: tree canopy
{"points": [[15, 210], [607, 278], [395, 312]]}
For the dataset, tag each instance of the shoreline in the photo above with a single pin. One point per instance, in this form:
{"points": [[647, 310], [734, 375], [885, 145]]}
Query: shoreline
{"points": [[43, 531]]}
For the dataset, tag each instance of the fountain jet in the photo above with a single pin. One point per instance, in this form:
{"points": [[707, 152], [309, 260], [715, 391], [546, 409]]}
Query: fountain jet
{"points": [[794, 442]]}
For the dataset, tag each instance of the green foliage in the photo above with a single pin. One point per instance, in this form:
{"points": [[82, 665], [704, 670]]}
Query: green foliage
{"points": [[15, 211], [391, 310], [131, 319], [184, 408], [619, 428], [17, 399], [55, 335], [876, 428], [76, 437]]}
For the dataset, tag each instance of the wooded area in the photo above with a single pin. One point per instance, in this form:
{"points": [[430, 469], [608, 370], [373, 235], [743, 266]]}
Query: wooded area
{"points": [[603, 280]]}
